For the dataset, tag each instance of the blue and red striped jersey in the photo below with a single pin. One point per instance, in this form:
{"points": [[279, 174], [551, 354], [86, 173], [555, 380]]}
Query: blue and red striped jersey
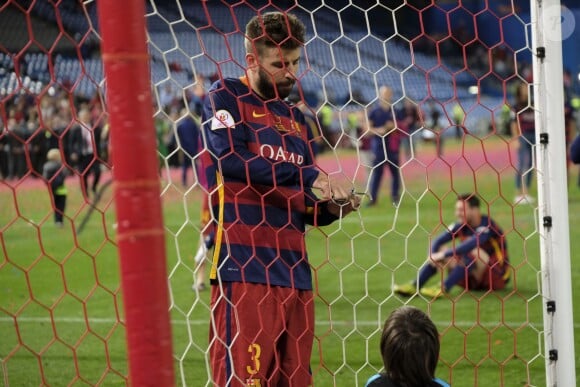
{"points": [[524, 115], [487, 236], [260, 177]]}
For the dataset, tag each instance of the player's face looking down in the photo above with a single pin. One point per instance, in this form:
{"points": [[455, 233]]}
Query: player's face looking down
{"points": [[275, 71]]}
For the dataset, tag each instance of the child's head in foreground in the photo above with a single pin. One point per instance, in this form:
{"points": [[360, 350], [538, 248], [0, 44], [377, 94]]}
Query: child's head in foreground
{"points": [[410, 347]]}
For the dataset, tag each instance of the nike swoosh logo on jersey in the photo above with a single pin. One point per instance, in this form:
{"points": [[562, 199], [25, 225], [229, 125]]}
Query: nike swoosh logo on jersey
{"points": [[258, 115]]}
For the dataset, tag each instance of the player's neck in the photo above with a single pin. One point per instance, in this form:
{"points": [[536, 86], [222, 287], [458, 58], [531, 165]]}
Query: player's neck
{"points": [[475, 222], [252, 84]]}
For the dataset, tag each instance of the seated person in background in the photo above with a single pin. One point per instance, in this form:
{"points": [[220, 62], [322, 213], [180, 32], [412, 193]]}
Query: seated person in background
{"points": [[410, 350], [476, 258]]}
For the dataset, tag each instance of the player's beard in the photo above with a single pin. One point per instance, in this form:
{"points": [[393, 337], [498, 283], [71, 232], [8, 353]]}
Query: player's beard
{"points": [[267, 89]]}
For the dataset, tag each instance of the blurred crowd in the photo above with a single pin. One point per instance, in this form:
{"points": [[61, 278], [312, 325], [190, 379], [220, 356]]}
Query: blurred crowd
{"points": [[30, 125]]}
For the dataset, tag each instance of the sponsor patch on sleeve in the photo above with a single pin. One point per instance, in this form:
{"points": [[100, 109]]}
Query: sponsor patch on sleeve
{"points": [[222, 119]]}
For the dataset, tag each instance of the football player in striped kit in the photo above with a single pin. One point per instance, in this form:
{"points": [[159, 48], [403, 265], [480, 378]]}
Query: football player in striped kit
{"points": [[265, 189]]}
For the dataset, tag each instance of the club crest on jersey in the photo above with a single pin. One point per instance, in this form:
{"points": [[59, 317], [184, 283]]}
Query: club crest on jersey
{"points": [[222, 119]]}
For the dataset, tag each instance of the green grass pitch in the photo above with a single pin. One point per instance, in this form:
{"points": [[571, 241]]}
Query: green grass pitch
{"points": [[61, 305]]}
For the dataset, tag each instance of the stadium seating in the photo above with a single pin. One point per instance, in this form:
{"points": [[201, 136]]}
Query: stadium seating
{"points": [[183, 45]]}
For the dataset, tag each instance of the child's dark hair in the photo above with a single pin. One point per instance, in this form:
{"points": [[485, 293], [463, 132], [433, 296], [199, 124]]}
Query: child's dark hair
{"points": [[410, 348]]}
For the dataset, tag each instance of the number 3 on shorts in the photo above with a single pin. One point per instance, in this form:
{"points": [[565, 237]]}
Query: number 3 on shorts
{"points": [[255, 350]]}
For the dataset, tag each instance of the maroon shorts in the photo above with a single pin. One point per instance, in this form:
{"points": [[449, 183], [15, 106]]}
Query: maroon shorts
{"points": [[261, 335], [490, 281], [495, 276]]}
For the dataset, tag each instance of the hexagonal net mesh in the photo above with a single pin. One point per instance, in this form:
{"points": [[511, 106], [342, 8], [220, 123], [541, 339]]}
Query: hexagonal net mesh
{"points": [[438, 93]]}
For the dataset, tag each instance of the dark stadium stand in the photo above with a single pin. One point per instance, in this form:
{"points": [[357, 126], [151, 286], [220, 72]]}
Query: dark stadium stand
{"points": [[204, 38]]}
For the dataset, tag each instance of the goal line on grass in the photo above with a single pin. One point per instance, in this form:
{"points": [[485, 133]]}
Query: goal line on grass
{"points": [[80, 320]]}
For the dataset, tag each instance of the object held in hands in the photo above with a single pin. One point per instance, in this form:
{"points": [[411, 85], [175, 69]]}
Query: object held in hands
{"points": [[347, 200]]}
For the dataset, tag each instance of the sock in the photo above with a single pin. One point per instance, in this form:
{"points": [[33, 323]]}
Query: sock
{"points": [[426, 272], [454, 277]]}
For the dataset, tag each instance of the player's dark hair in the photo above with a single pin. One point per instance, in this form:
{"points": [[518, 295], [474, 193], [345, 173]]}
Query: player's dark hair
{"points": [[274, 29], [471, 199], [410, 348]]}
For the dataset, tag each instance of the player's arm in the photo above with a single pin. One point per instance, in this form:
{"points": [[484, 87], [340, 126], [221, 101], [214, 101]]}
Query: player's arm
{"points": [[227, 142], [389, 125], [336, 198], [437, 252], [324, 212], [382, 129], [481, 236]]}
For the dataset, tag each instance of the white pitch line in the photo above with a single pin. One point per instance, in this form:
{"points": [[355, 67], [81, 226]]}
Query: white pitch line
{"points": [[79, 320]]}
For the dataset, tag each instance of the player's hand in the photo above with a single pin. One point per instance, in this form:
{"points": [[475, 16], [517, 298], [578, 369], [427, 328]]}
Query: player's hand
{"points": [[381, 131], [334, 186], [341, 197], [438, 256], [322, 183], [340, 207]]}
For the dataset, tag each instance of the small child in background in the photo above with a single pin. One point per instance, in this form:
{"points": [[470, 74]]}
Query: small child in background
{"points": [[54, 174], [410, 350]]}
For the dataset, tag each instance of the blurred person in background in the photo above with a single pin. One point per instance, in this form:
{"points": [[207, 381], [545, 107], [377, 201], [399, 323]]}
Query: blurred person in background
{"points": [[473, 250], [189, 141], [410, 121], [54, 173], [385, 146], [523, 129], [84, 144]]}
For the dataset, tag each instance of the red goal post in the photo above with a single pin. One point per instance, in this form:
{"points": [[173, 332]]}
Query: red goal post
{"points": [[140, 231]]}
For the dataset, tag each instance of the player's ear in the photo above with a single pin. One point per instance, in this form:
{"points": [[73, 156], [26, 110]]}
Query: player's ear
{"points": [[252, 61]]}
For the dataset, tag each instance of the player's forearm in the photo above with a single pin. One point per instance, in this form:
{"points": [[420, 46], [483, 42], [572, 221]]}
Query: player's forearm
{"points": [[471, 243], [378, 130], [319, 215], [440, 241], [462, 248]]}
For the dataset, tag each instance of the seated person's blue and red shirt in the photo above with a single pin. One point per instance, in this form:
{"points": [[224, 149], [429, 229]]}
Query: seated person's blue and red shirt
{"points": [[487, 236]]}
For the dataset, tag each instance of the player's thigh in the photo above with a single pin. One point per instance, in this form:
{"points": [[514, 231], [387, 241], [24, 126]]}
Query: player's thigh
{"points": [[480, 259], [295, 348], [480, 270], [246, 321]]}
